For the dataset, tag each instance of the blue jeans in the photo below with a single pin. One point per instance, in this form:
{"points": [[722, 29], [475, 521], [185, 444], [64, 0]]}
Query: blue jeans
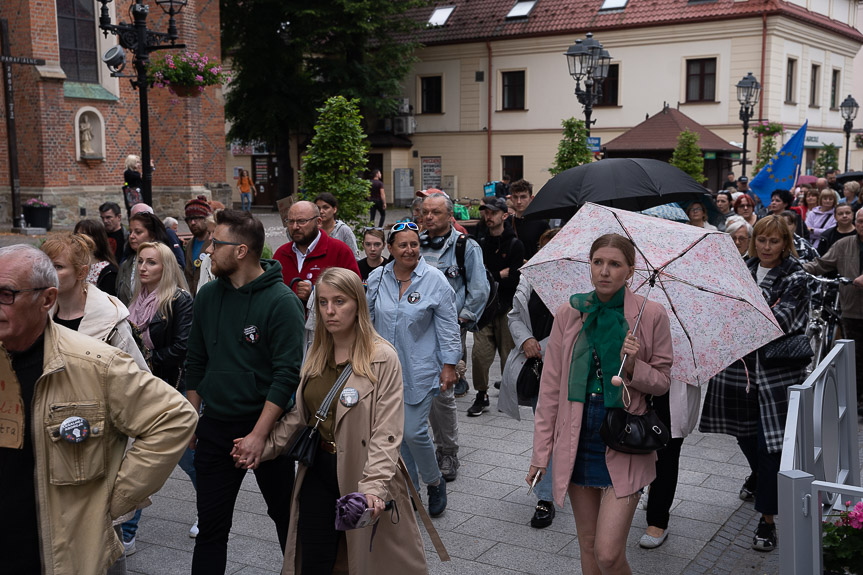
{"points": [[417, 447], [246, 200], [543, 488]]}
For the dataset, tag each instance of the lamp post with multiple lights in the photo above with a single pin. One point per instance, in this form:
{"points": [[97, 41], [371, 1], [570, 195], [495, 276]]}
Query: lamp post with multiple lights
{"points": [[141, 42], [748, 90], [848, 108], [588, 61]]}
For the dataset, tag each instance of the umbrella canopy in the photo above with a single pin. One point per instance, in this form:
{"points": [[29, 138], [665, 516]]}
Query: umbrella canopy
{"points": [[671, 211], [716, 310], [633, 184], [806, 179], [849, 177]]}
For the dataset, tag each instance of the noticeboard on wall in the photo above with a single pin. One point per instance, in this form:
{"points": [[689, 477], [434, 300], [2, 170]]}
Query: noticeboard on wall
{"points": [[431, 172]]}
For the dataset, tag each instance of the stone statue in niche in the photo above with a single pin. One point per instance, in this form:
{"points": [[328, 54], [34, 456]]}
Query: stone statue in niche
{"points": [[85, 135]]}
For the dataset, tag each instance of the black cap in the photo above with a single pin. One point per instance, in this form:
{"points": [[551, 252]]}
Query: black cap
{"points": [[493, 203]]}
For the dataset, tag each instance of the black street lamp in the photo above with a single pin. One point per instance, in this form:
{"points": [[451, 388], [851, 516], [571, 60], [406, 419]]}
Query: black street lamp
{"points": [[748, 90], [588, 61], [849, 108], [141, 42]]}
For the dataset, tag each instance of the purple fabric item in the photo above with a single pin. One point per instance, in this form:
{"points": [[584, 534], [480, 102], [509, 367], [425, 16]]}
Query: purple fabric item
{"points": [[349, 508]]}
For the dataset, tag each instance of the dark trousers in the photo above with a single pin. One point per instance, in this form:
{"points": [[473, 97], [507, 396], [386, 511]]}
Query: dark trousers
{"points": [[663, 488], [854, 330], [377, 205], [766, 466], [219, 484], [318, 537]]}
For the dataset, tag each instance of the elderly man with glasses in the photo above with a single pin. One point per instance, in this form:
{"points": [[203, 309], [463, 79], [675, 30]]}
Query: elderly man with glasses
{"points": [[72, 403]]}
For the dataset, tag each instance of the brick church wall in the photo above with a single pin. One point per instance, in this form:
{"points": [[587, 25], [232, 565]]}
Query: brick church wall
{"points": [[187, 135]]}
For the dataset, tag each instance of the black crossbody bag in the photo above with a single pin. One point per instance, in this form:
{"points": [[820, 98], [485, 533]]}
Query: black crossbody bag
{"points": [[305, 446]]}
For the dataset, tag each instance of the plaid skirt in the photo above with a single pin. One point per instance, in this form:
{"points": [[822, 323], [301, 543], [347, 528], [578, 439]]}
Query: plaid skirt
{"points": [[590, 469]]}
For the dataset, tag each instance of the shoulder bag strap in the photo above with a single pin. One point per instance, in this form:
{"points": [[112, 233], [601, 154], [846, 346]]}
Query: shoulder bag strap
{"points": [[427, 522], [321, 414]]}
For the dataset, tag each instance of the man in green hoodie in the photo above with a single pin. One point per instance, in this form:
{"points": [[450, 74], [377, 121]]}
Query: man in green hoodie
{"points": [[243, 364]]}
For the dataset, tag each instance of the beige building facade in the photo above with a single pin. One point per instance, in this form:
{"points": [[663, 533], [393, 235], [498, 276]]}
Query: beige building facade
{"points": [[474, 121]]}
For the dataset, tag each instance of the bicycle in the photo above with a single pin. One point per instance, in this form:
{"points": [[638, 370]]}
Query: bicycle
{"points": [[825, 324]]}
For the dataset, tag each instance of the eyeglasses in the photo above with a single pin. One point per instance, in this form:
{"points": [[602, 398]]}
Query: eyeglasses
{"points": [[218, 243], [299, 222], [402, 225], [750, 206], [696, 210], [7, 296]]}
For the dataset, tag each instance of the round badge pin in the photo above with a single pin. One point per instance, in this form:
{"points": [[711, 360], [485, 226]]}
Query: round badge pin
{"points": [[414, 297], [198, 263], [452, 272], [308, 276], [349, 397], [75, 429]]}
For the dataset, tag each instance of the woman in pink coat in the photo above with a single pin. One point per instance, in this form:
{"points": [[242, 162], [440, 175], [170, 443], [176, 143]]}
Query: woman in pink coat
{"points": [[587, 343]]}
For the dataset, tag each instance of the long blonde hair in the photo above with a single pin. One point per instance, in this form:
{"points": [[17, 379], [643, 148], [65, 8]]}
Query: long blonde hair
{"points": [[367, 339], [172, 276]]}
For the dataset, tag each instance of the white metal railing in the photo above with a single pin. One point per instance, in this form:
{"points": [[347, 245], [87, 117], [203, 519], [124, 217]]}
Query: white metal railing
{"points": [[820, 458]]}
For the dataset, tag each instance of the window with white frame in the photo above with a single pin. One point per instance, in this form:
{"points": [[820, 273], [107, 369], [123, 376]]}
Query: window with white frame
{"points": [[440, 15], [520, 9], [815, 86], [512, 85]]}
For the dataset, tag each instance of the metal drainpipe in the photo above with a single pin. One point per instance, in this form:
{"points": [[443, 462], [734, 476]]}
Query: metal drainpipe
{"points": [[488, 122], [763, 79]]}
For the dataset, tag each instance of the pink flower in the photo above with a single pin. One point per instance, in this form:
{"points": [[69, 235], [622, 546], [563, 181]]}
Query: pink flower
{"points": [[199, 78]]}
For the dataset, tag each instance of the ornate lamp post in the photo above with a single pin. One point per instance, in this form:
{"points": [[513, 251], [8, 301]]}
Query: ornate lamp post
{"points": [[748, 90], [588, 61], [849, 108], [141, 42]]}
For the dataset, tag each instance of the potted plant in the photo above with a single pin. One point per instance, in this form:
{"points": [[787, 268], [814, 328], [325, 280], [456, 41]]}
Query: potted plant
{"points": [[38, 214], [858, 140], [842, 541], [186, 74]]}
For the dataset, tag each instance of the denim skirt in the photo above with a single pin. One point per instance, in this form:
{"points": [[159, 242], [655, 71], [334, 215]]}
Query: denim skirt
{"points": [[590, 469]]}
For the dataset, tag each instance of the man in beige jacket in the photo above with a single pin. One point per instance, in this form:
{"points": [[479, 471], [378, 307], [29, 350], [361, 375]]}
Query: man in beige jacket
{"points": [[72, 402]]}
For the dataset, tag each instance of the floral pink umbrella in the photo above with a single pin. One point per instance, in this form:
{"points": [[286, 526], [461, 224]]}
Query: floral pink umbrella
{"points": [[716, 310]]}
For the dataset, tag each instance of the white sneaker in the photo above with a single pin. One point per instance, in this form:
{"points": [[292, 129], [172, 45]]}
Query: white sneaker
{"points": [[193, 531], [129, 547]]}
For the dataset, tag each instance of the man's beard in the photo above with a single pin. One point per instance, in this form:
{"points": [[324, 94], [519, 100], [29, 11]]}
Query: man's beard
{"points": [[224, 271], [305, 240]]}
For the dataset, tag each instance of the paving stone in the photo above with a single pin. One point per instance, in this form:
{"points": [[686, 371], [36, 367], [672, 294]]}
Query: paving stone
{"points": [[530, 560], [481, 487], [473, 469], [508, 460], [490, 431], [500, 445], [522, 535]]}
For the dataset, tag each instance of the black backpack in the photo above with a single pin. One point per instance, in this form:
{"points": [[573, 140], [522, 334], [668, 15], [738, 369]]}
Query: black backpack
{"points": [[492, 305]]}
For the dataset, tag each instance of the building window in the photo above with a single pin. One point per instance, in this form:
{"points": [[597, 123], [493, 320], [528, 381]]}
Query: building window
{"points": [[610, 87], [431, 90], [512, 85], [613, 4], [791, 81], [440, 15], [512, 166], [701, 80], [521, 9], [834, 89], [76, 25], [814, 86]]}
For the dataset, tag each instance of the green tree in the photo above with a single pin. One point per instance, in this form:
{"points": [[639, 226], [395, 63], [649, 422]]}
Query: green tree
{"points": [[828, 157], [767, 151], [335, 159], [572, 150], [687, 155], [288, 56]]}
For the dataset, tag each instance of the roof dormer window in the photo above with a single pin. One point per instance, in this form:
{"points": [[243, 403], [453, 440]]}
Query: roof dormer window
{"points": [[440, 15], [521, 9], [613, 5]]}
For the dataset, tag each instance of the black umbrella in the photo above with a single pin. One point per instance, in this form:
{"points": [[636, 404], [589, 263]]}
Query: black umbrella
{"points": [[632, 184], [849, 177]]}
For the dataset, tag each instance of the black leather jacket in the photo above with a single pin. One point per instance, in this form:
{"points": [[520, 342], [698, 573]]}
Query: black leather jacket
{"points": [[169, 334]]}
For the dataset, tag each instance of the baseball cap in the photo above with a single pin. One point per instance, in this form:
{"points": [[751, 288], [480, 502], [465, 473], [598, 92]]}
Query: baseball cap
{"points": [[743, 179], [493, 203], [426, 193]]}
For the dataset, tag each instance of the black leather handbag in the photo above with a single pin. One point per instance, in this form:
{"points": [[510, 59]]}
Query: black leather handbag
{"points": [[305, 445], [636, 434], [527, 384], [791, 351]]}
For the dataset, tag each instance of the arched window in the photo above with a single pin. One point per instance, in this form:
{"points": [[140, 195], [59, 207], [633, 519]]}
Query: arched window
{"points": [[76, 27]]}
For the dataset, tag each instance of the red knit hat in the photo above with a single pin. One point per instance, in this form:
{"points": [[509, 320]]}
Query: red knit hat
{"points": [[198, 208]]}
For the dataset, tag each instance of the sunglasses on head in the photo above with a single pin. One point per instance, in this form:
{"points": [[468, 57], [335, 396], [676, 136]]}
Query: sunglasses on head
{"points": [[402, 225]]}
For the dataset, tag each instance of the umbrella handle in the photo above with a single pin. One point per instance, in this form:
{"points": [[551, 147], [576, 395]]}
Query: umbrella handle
{"points": [[618, 379]]}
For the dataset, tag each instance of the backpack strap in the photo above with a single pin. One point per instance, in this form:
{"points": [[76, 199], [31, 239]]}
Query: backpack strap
{"points": [[460, 246]]}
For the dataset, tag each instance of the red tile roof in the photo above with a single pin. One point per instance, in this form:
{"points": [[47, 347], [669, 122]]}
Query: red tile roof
{"points": [[660, 133], [479, 20]]}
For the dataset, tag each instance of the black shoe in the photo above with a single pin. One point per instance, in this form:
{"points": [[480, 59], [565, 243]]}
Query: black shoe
{"points": [[543, 516], [461, 387], [480, 404], [747, 492], [497, 385], [765, 536], [437, 498]]}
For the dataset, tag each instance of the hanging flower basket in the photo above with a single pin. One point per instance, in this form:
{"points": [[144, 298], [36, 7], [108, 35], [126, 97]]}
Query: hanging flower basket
{"points": [[858, 140], [186, 74]]}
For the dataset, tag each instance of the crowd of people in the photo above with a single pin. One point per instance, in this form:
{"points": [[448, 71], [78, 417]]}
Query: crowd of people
{"points": [[200, 353]]}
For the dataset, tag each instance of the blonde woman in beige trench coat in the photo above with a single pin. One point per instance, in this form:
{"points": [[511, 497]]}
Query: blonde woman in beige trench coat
{"points": [[367, 436]]}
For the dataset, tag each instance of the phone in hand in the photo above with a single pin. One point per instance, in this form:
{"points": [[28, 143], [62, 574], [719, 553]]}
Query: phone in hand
{"points": [[365, 519]]}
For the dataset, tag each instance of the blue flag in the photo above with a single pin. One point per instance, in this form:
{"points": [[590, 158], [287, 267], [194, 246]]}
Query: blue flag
{"points": [[781, 171]]}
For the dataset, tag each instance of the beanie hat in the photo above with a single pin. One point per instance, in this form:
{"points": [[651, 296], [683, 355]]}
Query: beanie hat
{"points": [[198, 208]]}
